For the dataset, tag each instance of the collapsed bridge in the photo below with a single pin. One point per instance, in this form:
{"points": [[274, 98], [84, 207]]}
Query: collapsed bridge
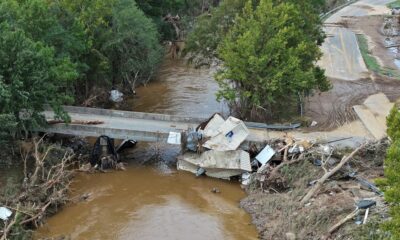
{"points": [[148, 127]]}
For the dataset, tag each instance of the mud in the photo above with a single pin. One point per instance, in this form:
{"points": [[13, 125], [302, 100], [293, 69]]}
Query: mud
{"points": [[333, 109], [382, 32]]}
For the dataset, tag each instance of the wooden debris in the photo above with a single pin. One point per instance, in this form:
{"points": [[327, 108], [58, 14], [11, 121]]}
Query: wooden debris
{"points": [[327, 175], [341, 222], [44, 188]]}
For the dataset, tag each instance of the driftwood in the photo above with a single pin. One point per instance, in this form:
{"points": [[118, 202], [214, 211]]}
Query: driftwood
{"points": [[327, 175], [341, 222], [45, 187]]}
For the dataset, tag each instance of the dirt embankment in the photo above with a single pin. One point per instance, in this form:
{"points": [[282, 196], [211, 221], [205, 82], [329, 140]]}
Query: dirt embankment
{"points": [[383, 37], [334, 108]]}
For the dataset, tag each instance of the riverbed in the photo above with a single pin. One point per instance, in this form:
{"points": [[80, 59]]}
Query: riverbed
{"points": [[151, 200]]}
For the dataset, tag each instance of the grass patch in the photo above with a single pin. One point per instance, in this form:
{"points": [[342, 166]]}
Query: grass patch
{"points": [[370, 60], [394, 4]]}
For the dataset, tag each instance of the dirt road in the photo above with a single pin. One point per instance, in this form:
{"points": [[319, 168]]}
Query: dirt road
{"points": [[352, 82], [341, 55]]}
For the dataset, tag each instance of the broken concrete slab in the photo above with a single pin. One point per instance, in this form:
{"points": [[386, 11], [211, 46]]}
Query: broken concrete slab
{"points": [[373, 114], [211, 129], [229, 137], [216, 164]]}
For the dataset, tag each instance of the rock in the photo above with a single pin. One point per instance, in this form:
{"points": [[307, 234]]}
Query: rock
{"points": [[215, 190], [290, 236]]}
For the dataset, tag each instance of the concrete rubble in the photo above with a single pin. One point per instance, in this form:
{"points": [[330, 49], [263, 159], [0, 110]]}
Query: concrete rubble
{"points": [[213, 149], [217, 149]]}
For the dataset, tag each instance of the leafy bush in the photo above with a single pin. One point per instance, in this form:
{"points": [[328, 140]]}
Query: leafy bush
{"points": [[392, 174]]}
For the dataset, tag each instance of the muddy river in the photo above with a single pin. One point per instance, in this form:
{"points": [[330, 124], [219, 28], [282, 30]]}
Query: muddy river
{"points": [[151, 200]]}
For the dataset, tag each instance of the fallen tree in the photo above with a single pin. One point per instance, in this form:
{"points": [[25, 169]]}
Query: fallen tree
{"points": [[328, 174]]}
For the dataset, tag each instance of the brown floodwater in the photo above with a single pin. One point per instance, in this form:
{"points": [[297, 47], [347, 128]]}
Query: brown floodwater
{"points": [[151, 200], [179, 90]]}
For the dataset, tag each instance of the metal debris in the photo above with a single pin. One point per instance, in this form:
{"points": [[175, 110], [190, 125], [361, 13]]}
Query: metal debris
{"points": [[265, 155], [5, 213]]}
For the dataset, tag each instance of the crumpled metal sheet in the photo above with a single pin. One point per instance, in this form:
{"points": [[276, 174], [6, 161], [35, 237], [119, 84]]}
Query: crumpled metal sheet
{"points": [[5, 213]]}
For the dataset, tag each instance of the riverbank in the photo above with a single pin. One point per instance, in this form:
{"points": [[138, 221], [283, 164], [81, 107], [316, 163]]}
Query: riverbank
{"points": [[40, 187], [277, 211]]}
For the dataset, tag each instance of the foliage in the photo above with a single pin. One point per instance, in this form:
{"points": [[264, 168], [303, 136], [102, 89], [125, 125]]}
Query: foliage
{"points": [[50, 49], [391, 183], [394, 4], [123, 42], [211, 29], [133, 52], [269, 58], [156, 10], [30, 77]]}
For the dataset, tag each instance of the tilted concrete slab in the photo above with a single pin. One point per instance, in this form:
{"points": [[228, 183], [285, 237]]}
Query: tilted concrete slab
{"points": [[373, 114]]}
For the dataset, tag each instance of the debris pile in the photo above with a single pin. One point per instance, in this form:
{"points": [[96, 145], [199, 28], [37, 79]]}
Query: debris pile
{"points": [[317, 186], [106, 156], [212, 149], [47, 176]]}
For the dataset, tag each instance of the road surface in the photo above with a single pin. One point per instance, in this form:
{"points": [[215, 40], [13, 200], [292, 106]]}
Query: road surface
{"points": [[341, 55]]}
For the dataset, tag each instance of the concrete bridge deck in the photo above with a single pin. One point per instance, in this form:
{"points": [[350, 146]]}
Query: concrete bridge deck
{"points": [[151, 127], [148, 127]]}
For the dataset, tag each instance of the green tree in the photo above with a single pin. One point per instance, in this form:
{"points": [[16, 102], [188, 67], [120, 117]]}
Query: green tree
{"points": [[30, 77], [186, 9], [211, 29], [269, 60], [392, 174], [134, 52], [123, 43], [47, 22]]}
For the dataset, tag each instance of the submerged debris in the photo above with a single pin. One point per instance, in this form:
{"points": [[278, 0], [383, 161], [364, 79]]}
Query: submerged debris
{"points": [[105, 156]]}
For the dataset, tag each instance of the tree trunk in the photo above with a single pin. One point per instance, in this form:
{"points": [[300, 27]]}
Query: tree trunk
{"points": [[327, 175]]}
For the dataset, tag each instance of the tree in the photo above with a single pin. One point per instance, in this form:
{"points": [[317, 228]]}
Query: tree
{"points": [[124, 43], [158, 9], [269, 60], [30, 77], [134, 52], [211, 28], [392, 174]]}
